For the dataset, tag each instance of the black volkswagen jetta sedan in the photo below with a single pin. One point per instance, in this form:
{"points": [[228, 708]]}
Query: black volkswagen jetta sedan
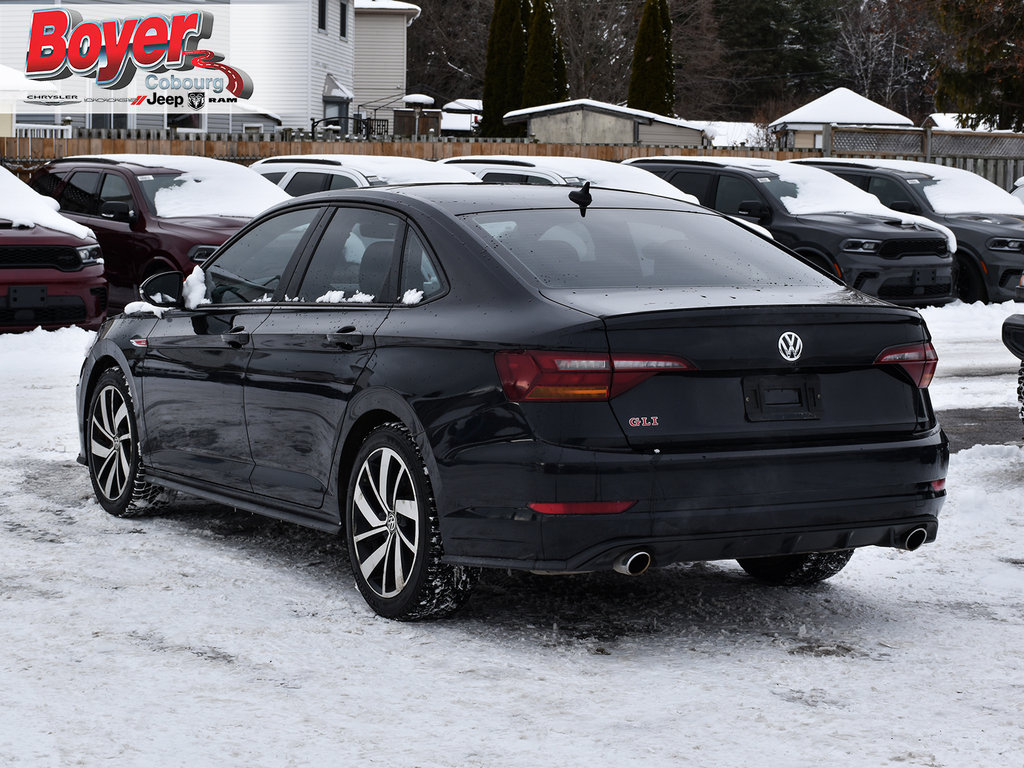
{"points": [[458, 377]]}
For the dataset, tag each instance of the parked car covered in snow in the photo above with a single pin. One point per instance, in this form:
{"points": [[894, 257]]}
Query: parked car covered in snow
{"points": [[154, 213], [988, 222], [306, 174], [573, 171], [51, 268], [895, 256], [538, 378]]}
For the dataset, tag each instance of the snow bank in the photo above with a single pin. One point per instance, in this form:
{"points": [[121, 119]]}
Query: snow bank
{"points": [[24, 207]]}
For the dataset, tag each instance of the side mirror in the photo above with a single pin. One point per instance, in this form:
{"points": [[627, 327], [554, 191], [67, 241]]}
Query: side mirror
{"points": [[903, 206], [755, 209], [118, 211], [164, 290]]}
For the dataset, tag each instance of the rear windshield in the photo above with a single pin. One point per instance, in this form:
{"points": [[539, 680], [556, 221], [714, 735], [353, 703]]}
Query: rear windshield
{"points": [[628, 248]]}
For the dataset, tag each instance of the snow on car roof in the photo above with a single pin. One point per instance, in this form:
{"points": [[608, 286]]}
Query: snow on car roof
{"points": [[814, 191], [24, 207], [390, 168], [953, 190], [600, 173], [208, 187]]}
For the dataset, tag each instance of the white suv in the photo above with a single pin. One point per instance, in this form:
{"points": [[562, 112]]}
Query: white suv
{"points": [[574, 171], [306, 174]]}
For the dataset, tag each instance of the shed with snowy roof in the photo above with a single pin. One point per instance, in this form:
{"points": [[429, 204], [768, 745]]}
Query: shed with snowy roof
{"points": [[803, 128], [584, 121]]}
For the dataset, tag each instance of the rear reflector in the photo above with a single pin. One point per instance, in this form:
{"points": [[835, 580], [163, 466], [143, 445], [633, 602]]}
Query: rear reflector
{"points": [[541, 376], [919, 360], [583, 507], [938, 485]]}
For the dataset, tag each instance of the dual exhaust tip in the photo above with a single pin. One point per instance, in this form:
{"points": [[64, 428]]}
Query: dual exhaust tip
{"points": [[633, 563]]}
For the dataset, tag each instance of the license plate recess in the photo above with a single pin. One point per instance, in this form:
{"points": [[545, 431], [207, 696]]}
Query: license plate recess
{"points": [[795, 397]]}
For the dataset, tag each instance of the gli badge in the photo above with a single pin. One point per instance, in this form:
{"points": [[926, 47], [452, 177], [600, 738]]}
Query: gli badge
{"points": [[643, 421], [791, 346]]}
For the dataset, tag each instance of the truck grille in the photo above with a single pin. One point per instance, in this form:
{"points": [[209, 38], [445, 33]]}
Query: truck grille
{"points": [[894, 249], [62, 257], [65, 310]]}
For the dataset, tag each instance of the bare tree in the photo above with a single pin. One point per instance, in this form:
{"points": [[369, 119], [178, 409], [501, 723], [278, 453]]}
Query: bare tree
{"points": [[448, 48], [886, 51], [597, 37]]}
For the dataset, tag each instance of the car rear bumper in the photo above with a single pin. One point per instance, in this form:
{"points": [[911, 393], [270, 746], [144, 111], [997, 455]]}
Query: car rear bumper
{"points": [[689, 506], [30, 298]]}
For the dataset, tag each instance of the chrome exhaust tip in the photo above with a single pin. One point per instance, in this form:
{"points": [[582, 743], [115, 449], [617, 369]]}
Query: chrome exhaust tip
{"points": [[915, 539], [633, 563]]}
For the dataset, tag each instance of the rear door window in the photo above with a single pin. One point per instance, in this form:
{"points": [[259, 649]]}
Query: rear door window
{"points": [[696, 184], [355, 260], [79, 195]]}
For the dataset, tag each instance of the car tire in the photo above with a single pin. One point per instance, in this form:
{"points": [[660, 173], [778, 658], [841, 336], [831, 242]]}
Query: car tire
{"points": [[970, 287], [393, 535], [796, 570], [112, 450], [1020, 393]]}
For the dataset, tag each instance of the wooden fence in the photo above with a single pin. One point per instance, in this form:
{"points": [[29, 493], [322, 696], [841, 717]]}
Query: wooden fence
{"points": [[22, 154], [996, 157]]}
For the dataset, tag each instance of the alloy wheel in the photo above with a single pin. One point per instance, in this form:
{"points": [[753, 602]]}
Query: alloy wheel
{"points": [[111, 443], [385, 522]]}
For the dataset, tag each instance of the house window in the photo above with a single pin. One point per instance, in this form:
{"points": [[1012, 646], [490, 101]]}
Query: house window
{"points": [[336, 108], [344, 19], [321, 14]]}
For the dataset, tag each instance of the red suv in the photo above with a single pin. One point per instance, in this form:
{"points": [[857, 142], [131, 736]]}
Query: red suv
{"points": [[155, 213], [51, 273]]}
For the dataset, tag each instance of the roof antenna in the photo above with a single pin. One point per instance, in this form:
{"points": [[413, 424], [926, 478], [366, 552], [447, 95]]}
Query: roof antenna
{"points": [[582, 198]]}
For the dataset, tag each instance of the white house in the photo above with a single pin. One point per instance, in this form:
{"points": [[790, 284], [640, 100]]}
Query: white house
{"points": [[802, 128], [380, 56]]}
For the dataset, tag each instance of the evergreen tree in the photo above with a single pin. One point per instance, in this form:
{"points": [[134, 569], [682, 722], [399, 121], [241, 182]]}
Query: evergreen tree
{"points": [[544, 81], [984, 74], [778, 53], [503, 75], [670, 65], [651, 71]]}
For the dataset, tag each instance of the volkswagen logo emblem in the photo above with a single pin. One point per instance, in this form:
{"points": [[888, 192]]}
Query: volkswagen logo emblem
{"points": [[791, 346]]}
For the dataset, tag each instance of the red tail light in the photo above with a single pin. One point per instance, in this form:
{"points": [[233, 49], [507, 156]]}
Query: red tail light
{"points": [[583, 507], [538, 376], [919, 360]]}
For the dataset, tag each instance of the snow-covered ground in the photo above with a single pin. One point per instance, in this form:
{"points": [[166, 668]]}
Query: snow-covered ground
{"points": [[203, 637]]}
